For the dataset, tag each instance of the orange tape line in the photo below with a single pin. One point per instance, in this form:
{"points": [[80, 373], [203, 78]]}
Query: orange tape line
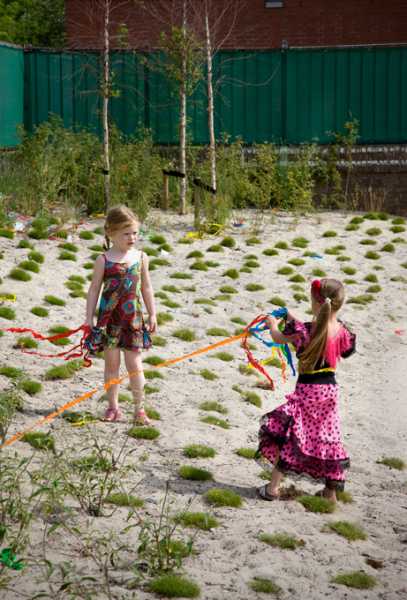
{"points": [[17, 436]]}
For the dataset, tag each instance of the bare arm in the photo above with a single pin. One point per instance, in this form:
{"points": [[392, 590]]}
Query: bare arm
{"points": [[94, 290], [148, 294], [276, 334]]}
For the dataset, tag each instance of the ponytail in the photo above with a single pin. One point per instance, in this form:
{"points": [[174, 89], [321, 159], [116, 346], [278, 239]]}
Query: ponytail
{"points": [[315, 349], [106, 245]]}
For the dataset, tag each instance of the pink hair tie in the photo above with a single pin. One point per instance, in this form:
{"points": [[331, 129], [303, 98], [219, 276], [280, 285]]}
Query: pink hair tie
{"points": [[316, 291]]}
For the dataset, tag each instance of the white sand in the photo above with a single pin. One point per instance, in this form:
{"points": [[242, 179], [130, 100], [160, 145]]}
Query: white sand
{"points": [[373, 408]]}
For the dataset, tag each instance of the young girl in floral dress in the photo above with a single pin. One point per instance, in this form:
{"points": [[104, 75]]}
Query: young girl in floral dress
{"points": [[303, 435], [123, 271]]}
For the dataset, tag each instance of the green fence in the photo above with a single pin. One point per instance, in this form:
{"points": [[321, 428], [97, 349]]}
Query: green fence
{"points": [[11, 94], [282, 96]]}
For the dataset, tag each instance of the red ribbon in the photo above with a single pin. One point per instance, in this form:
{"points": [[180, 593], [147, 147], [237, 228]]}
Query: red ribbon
{"points": [[249, 354]]}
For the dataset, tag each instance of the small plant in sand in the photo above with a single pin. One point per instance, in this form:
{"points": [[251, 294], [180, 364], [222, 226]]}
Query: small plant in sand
{"points": [[86, 235], [297, 278], [11, 372], [88, 266], [69, 247], [198, 451], [147, 250], [26, 342], [349, 270], [346, 281], [199, 266], [144, 433], [40, 311], [252, 398], [6, 233], [374, 289], [64, 371], [153, 360], [227, 289], [159, 262], [372, 255], [343, 258], [248, 453], [245, 270], [64, 255], [217, 332], [10, 402], [179, 275], [7, 313], [270, 252], [212, 264], [152, 413], [194, 474], [163, 318], [254, 287], [329, 234], [362, 299], [228, 242], [215, 248], [281, 540], [158, 239], [211, 420], [29, 265], [197, 520], [223, 497], [371, 277], [277, 301], [398, 221], [281, 245], [174, 586], [285, 271], [186, 335], [352, 227], [388, 248], [205, 301], [252, 264], [297, 262], [123, 499], [208, 375], [19, 275], [356, 220], [368, 242], [318, 273], [54, 300], [356, 579], [397, 229], [170, 303], [212, 405], [39, 440], [392, 462], [300, 242], [224, 356], [238, 321], [316, 504], [373, 231], [264, 586], [376, 216], [30, 387], [150, 374], [345, 497], [253, 241], [350, 531], [299, 297]]}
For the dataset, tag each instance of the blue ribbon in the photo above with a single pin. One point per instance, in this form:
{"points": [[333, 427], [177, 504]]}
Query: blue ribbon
{"points": [[278, 313]]}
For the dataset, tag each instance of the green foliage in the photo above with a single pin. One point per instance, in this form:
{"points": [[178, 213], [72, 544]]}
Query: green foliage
{"points": [[254, 287], [39, 440], [174, 586], [223, 497], [277, 301], [207, 374], [285, 271], [198, 451], [249, 453], [33, 22], [198, 520], [163, 318], [392, 462], [144, 433], [39, 311], [19, 275], [361, 299], [54, 300], [6, 233], [30, 387], [215, 421], [228, 242], [217, 332], [194, 474], [316, 504], [356, 579], [26, 342], [11, 372], [122, 499], [10, 402], [7, 313], [281, 540], [212, 405], [348, 530], [63, 371], [270, 252], [225, 356], [186, 335], [372, 255], [264, 586], [232, 273]]}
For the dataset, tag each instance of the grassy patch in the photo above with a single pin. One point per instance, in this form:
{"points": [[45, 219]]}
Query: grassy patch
{"points": [[297, 278], [397, 229], [281, 245], [270, 252], [222, 497], [253, 241], [344, 497], [285, 271], [348, 530], [24, 244], [368, 242], [174, 586], [152, 413], [215, 248], [39, 311], [388, 248], [144, 433], [205, 301], [373, 231], [228, 242], [198, 451], [64, 255], [238, 321], [54, 300], [26, 342], [248, 453], [356, 220], [153, 360], [362, 299], [371, 277], [225, 356], [398, 221], [254, 287], [30, 386], [371, 255], [152, 374], [392, 462], [277, 301], [232, 273], [121, 499], [69, 247], [211, 420], [252, 264], [186, 335], [316, 504], [227, 289], [208, 375], [11, 372], [298, 297], [264, 586], [212, 405], [29, 265], [163, 318], [7, 313], [300, 242], [198, 520], [356, 579], [318, 273], [6, 233], [297, 262], [63, 371], [86, 235], [252, 398], [39, 440], [281, 540], [329, 234], [157, 239], [19, 275], [171, 288], [374, 289], [352, 227], [170, 303], [179, 275], [194, 474], [199, 266], [349, 270]]}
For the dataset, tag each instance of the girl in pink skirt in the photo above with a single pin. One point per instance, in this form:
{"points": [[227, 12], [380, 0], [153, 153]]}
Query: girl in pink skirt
{"points": [[303, 435]]}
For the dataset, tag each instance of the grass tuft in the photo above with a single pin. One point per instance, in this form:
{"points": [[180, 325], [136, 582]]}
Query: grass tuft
{"points": [[194, 474], [264, 586], [348, 530], [316, 504], [30, 386], [212, 405], [19, 275], [254, 287], [7, 313], [228, 242], [198, 451], [248, 453], [121, 499], [211, 420], [174, 586], [63, 371], [281, 540], [39, 440], [356, 579], [232, 273], [198, 520], [392, 462], [144, 433], [224, 356], [208, 375], [39, 311], [54, 300], [222, 497], [186, 335]]}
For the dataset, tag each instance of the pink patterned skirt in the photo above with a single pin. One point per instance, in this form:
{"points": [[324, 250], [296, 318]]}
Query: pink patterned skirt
{"points": [[303, 435]]}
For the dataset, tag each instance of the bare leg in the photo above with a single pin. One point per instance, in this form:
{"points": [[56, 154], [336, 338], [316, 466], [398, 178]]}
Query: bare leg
{"points": [[273, 487], [134, 367], [112, 367]]}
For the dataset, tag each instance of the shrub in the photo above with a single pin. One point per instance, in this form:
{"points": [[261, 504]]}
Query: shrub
{"points": [[252, 398], [371, 277], [6, 233], [253, 241], [195, 254], [157, 239]]}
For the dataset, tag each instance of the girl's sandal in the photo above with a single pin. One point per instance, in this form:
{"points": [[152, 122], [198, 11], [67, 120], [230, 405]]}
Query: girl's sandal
{"points": [[112, 414], [140, 418], [264, 495]]}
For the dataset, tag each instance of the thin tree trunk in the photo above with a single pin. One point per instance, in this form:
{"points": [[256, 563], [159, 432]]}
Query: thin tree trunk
{"points": [[211, 120], [183, 117], [105, 114]]}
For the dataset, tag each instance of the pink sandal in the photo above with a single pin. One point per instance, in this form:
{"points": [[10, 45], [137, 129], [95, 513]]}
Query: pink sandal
{"points": [[112, 414], [140, 418]]}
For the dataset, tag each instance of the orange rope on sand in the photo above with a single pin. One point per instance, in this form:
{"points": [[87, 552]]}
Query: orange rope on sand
{"points": [[17, 436]]}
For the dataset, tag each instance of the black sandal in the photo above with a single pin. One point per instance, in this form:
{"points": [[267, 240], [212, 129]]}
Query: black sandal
{"points": [[264, 495]]}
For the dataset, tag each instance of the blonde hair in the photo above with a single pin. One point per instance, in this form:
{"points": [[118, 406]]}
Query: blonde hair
{"points": [[332, 293], [118, 218]]}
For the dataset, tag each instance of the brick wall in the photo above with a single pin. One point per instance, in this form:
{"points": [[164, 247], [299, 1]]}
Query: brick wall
{"points": [[298, 22]]}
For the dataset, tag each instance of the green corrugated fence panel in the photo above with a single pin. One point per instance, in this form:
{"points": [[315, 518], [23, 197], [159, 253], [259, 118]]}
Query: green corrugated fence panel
{"points": [[282, 96], [11, 94]]}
